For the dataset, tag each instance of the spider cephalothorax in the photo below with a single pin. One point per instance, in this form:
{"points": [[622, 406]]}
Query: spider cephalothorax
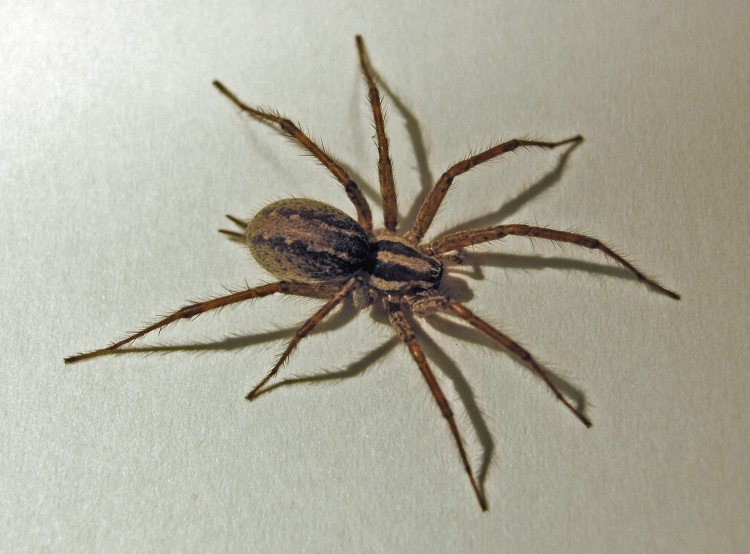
{"points": [[319, 251]]}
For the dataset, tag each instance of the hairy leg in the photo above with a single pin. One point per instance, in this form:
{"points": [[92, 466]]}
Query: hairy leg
{"points": [[197, 308], [435, 198], [477, 236], [515, 349], [364, 214], [302, 332], [406, 334], [385, 168]]}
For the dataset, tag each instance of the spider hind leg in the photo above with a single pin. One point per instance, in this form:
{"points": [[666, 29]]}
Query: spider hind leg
{"points": [[517, 351]]}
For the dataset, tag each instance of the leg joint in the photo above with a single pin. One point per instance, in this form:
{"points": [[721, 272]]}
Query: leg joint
{"points": [[288, 127]]}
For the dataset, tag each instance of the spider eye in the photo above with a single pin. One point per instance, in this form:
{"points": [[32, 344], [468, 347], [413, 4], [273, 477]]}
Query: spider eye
{"points": [[437, 272]]}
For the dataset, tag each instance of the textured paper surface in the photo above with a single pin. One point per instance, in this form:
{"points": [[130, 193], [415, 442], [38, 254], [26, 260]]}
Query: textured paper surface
{"points": [[118, 161]]}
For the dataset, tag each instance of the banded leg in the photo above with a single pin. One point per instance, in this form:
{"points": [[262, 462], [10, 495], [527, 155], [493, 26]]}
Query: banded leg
{"points": [[198, 308], [515, 349], [435, 198], [463, 239], [406, 334], [302, 332], [364, 214], [385, 168]]}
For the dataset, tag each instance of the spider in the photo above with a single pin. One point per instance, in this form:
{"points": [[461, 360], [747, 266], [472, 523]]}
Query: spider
{"points": [[318, 251]]}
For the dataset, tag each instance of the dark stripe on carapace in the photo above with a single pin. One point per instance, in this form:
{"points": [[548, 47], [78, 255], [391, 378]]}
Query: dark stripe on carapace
{"points": [[396, 266], [398, 248]]}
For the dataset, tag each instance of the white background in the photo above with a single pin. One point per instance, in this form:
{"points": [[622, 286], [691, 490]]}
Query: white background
{"points": [[118, 161]]}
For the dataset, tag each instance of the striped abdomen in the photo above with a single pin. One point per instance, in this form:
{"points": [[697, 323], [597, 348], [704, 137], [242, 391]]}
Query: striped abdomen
{"points": [[306, 240], [397, 266]]}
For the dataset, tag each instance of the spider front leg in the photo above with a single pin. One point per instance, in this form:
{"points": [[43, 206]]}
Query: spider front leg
{"points": [[302, 332], [406, 334], [364, 214], [431, 204], [192, 310], [463, 239], [515, 349]]}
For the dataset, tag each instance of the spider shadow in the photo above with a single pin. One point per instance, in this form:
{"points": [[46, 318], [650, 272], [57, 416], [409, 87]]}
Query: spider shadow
{"points": [[336, 321], [468, 398], [474, 262], [466, 334], [447, 326], [414, 130], [512, 206], [352, 370], [435, 353]]}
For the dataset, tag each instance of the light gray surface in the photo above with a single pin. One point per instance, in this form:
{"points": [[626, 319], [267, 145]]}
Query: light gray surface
{"points": [[118, 161]]}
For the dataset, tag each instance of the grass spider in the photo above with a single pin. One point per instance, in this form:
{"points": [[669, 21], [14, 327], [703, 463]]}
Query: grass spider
{"points": [[318, 251]]}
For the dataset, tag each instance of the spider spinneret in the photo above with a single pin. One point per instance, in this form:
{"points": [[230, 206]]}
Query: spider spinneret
{"points": [[318, 251]]}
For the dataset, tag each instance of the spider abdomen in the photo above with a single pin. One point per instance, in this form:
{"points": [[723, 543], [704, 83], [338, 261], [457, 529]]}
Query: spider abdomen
{"points": [[306, 240]]}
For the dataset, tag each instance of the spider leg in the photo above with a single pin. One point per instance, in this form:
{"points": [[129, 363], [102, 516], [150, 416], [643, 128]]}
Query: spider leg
{"points": [[354, 370], [431, 204], [302, 332], [197, 308], [515, 349], [385, 168], [406, 334], [364, 214], [476, 236]]}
